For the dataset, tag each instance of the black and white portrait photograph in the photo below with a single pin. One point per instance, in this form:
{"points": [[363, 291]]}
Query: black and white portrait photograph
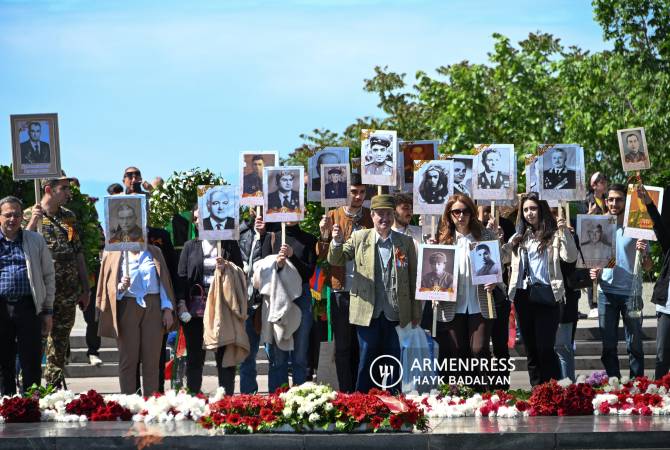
{"points": [[561, 167], [485, 262], [335, 190], [415, 151], [597, 239], [462, 174], [530, 171], [431, 189], [437, 274], [379, 150], [251, 175], [633, 149], [126, 222], [218, 213], [35, 149], [495, 172], [329, 155], [284, 193]]}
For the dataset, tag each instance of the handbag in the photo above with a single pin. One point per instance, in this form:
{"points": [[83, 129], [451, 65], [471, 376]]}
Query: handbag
{"points": [[538, 293], [580, 277], [196, 302]]}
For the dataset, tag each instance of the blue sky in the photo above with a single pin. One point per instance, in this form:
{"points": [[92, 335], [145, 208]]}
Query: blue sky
{"points": [[169, 85]]}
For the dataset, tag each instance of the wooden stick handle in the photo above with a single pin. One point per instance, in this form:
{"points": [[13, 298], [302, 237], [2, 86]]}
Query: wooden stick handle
{"points": [[258, 214], [567, 213], [489, 301], [494, 212], [38, 199], [595, 292], [283, 233], [379, 190], [127, 263], [432, 227], [434, 328], [219, 250]]}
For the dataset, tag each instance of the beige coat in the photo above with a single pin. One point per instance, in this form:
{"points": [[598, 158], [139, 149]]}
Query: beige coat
{"points": [[108, 281], [562, 247], [41, 273], [225, 315], [360, 248]]}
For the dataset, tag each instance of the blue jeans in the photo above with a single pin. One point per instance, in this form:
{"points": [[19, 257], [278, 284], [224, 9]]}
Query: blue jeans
{"points": [[278, 359], [248, 384], [379, 338], [565, 349], [610, 307]]}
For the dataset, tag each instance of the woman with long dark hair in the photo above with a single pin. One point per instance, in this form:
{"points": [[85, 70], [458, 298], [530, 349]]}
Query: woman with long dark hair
{"points": [[464, 327], [536, 283]]}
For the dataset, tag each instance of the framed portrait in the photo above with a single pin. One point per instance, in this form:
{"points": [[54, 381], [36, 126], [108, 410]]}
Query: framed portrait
{"points": [[35, 146], [485, 262], [494, 169], [437, 274], [633, 149], [415, 151], [126, 222], [431, 188], [252, 165], [379, 152], [218, 213], [399, 180], [530, 171], [328, 155], [335, 190], [284, 193], [462, 179], [597, 240], [637, 222], [561, 172]]}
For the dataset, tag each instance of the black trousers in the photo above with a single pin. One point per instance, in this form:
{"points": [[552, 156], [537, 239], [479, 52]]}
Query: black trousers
{"points": [[346, 342], [538, 325], [92, 338], [499, 335], [195, 359], [20, 330], [662, 345]]}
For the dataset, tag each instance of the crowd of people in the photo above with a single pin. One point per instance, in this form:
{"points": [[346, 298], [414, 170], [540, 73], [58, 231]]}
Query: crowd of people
{"points": [[262, 290]]}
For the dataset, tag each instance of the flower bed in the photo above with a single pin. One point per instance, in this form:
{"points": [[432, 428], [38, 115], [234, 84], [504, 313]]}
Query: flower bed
{"points": [[316, 408]]}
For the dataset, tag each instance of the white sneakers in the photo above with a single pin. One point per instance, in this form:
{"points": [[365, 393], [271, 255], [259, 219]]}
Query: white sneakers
{"points": [[94, 360]]}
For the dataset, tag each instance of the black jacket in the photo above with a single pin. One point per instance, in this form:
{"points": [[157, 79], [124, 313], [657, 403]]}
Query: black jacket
{"points": [[304, 249], [660, 294], [191, 269]]}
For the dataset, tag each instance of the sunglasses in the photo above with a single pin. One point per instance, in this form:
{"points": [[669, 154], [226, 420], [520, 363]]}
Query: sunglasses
{"points": [[132, 173], [458, 212]]}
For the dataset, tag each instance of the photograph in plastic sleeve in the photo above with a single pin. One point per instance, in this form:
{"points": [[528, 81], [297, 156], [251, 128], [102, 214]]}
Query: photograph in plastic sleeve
{"points": [[251, 168], [415, 151], [284, 194], [437, 274], [495, 172], [485, 262], [562, 172], [431, 189], [35, 149], [379, 150], [328, 155], [637, 223], [633, 149], [597, 240], [335, 190], [218, 213], [126, 222]]}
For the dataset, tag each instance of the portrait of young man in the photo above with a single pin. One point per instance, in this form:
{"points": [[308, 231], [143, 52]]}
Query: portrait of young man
{"points": [[35, 150]]}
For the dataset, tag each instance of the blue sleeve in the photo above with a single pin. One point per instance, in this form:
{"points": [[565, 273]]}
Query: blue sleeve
{"points": [[166, 303]]}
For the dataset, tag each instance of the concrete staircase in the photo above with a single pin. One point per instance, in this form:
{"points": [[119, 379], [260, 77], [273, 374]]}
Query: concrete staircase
{"points": [[588, 349]]}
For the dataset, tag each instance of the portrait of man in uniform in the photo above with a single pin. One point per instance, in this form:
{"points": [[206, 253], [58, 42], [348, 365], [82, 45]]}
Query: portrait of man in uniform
{"points": [[125, 224], [557, 174], [253, 181], [379, 160], [597, 235], [434, 188], [252, 165], [336, 187], [416, 151], [484, 264], [437, 278], [633, 149], [493, 176], [462, 170]]}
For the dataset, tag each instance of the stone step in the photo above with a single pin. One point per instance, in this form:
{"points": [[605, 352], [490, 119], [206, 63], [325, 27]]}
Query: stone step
{"points": [[111, 355], [592, 348], [85, 370], [592, 333]]}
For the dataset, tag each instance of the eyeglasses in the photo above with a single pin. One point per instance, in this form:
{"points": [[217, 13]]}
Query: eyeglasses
{"points": [[132, 173], [12, 215], [458, 212]]}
